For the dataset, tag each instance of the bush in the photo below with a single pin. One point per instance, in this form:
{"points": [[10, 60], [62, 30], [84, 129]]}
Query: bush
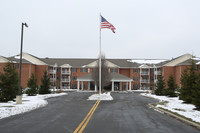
{"points": [[45, 86], [32, 84], [8, 83]]}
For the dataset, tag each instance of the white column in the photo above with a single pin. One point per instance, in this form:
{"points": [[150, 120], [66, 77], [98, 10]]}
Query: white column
{"points": [[82, 85], [112, 85], [95, 88], [130, 86], [78, 85], [120, 86], [88, 85], [126, 85]]}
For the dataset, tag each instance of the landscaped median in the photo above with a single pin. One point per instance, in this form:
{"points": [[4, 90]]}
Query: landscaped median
{"points": [[28, 103], [176, 108]]}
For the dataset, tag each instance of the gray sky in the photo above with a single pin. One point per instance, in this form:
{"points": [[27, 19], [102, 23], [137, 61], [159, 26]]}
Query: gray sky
{"points": [[70, 28]]}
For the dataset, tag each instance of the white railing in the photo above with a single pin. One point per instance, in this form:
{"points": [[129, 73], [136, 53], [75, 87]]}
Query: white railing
{"points": [[145, 88], [144, 73], [52, 79], [144, 81], [157, 72], [65, 87], [65, 80], [65, 72], [52, 71]]}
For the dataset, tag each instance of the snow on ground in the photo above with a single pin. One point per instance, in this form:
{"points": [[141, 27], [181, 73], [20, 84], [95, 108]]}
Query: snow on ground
{"points": [[58, 90], [104, 96], [28, 103], [177, 106]]}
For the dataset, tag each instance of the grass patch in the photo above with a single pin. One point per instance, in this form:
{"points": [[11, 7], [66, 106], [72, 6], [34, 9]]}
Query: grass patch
{"points": [[179, 115], [179, 109], [8, 106], [25, 100], [163, 103]]}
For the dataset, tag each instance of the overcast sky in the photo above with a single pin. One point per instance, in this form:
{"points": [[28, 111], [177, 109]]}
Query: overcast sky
{"points": [[70, 28]]}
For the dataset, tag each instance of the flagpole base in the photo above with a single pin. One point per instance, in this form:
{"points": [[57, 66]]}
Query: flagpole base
{"points": [[19, 99]]}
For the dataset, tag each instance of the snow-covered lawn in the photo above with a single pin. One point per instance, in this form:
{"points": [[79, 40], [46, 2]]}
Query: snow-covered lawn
{"points": [[177, 106], [29, 103], [104, 96]]}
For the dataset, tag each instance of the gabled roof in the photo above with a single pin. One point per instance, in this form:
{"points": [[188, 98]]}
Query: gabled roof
{"points": [[144, 66], [179, 60], [72, 62], [108, 63], [33, 59], [3, 59], [113, 77], [66, 65]]}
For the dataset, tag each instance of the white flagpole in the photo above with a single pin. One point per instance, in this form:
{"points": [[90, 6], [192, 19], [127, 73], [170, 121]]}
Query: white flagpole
{"points": [[100, 56]]}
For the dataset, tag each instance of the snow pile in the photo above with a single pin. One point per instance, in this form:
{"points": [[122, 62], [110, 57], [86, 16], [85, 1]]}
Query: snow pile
{"points": [[104, 96], [28, 103], [177, 106], [147, 61]]}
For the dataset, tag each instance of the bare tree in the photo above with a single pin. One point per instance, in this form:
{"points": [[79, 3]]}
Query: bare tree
{"points": [[105, 75]]}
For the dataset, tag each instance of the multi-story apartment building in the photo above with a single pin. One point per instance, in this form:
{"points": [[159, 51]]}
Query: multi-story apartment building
{"points": [[126, 74]]}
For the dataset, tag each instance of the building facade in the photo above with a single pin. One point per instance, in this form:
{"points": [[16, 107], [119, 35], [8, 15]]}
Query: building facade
{"points": [[127, 74]]}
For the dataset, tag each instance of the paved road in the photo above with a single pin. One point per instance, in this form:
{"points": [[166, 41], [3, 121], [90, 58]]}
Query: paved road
{"points": [[127, 113]]}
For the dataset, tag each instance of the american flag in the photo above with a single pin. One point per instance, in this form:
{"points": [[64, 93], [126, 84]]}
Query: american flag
{"points": [[106, 24]]}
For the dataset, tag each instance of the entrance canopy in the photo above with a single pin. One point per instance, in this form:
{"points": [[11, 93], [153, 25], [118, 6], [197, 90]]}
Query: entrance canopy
{"points": [[114, 77]]}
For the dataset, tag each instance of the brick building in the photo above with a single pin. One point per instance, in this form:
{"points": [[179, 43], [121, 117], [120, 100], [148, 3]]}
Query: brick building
{"points": [[66, 73]]}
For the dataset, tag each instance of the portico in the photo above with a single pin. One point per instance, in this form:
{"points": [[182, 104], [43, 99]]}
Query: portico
{"points": [[114, 79]]}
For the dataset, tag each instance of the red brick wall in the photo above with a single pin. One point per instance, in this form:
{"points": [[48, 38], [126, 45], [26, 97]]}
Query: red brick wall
{"points": [[125, 72], [39, 72], [167, 71], [2, 65]]}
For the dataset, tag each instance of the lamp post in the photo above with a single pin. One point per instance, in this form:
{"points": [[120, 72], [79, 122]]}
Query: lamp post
{"points": [[19, 96]]}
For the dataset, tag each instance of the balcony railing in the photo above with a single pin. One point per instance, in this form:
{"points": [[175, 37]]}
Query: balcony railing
{"points": [[65, 72], [145, 88], [52, 79], [65, 87], [52, 71], [144, 73], [144, 81], [157, 72], [65, 80]]}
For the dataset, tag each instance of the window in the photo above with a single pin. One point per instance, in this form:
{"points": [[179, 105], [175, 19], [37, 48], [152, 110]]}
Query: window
{"points": [[74, 70], [152, 70], [74, 78], [135, 86], [135, 70], [74, 86], [135, 78], [113, 70], [58, 69], [58, 77], [84, 69], [16, 66]]}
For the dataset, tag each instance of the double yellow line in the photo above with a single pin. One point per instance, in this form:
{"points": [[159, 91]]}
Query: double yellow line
{"points": [[83, 124]]}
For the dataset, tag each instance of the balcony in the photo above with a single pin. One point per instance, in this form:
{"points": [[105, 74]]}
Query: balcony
{"points": [[145, 88], [65, 80], [157, 72], [52, 71], [52, 79], [65, 87], [144, 73], [144, 81], [66, 72]]}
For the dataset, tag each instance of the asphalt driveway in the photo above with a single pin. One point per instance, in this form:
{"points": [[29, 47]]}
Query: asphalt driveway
{"points": [[127, 113]]}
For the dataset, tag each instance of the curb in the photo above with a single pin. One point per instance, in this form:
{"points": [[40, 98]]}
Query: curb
{"points": [[177, 117]]}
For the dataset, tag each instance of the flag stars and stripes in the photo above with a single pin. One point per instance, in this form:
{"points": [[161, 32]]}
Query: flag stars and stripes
{"points": [[106, 24]]}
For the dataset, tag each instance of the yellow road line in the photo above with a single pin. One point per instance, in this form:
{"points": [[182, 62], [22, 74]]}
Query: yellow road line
{"points": [[89, 115], [83, 127]]}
